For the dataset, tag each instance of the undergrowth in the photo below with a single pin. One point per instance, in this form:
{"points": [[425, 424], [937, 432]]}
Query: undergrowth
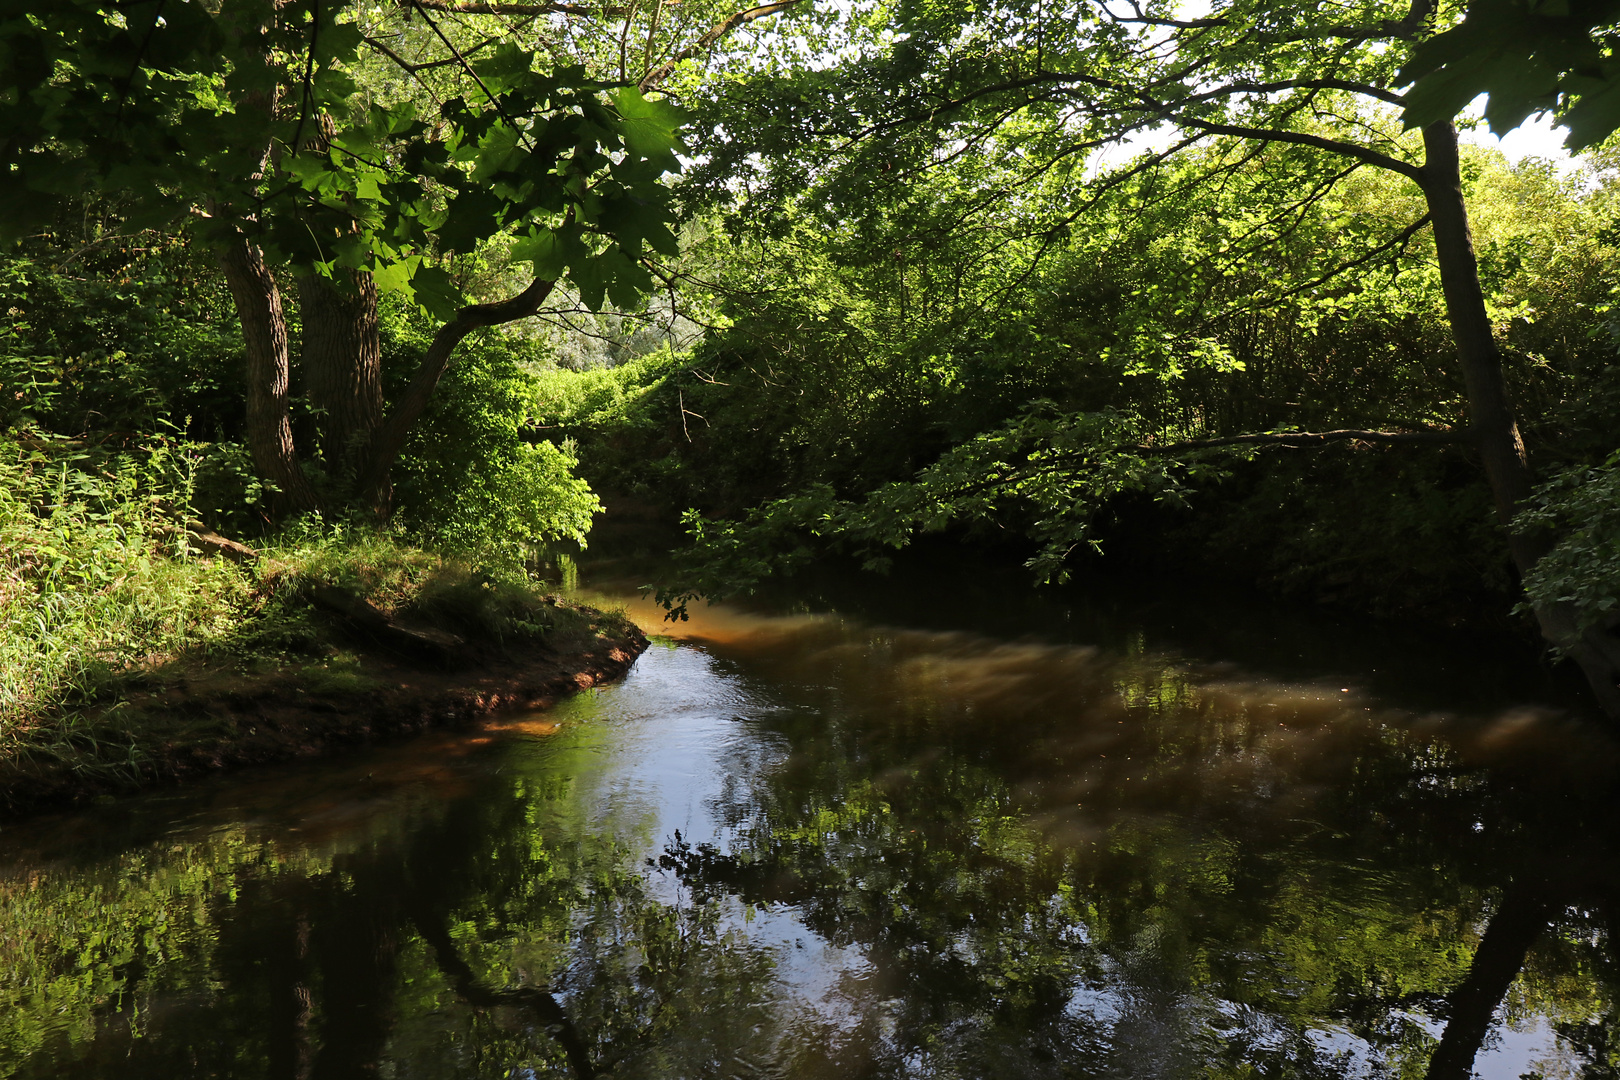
{"points": [[91, 585], [98, 594]]}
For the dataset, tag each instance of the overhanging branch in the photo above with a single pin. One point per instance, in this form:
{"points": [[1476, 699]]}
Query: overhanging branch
{"points": [[1300, 138], [390, 438], [1400, 240]]}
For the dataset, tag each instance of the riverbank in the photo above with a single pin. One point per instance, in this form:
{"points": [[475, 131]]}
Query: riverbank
{"points": [[135, 652], [191, 719]]}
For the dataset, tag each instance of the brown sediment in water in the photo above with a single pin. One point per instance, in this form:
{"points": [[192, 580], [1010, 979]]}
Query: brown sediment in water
{"points": [[201, 720]]}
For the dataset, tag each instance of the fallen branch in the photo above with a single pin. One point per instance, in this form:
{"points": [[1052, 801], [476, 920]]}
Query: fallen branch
{"points": [[208, 542], [1316, 438], [359, 613]]}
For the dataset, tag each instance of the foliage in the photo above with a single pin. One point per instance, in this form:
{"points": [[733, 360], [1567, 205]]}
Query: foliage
{"points": [[173, 110], [1580, 506], [98, 590], [1047, 472], [90, 585], [120, 336], [1391, 530], [844, 370], [475, 477], [369, 561], [1528, 58]]}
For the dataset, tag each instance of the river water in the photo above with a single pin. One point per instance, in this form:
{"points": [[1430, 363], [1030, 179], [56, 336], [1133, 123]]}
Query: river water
{"points": [[929, 827]]}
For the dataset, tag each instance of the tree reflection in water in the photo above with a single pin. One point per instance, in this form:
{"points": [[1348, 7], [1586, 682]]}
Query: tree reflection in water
{"points": [[914, 855]]}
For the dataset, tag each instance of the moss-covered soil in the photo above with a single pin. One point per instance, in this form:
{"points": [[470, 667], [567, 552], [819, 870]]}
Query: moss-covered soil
{"points": [[196, 716]]}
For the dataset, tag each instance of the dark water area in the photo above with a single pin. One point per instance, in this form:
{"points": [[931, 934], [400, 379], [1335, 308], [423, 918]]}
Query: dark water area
{"points": [[935, 825]]}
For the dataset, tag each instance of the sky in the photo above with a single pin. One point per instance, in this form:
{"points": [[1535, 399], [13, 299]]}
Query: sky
{"points": [[1536, 137]]}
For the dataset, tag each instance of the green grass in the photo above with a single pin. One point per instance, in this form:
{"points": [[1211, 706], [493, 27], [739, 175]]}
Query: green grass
{"points": [[99, 597], [90, 588]]}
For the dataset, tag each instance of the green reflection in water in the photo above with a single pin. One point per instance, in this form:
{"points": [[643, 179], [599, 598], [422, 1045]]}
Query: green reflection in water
{"points": [[806, 847]]}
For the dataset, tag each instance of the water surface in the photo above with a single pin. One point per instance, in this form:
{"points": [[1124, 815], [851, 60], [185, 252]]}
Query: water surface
{"points": [[949, 832]]}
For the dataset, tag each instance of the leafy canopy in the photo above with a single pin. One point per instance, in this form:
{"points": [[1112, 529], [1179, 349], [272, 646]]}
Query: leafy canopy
{"points": [[1557, 55], [246, 118]]}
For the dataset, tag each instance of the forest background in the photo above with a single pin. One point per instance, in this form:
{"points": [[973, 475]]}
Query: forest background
{"points": [[394, 291]]}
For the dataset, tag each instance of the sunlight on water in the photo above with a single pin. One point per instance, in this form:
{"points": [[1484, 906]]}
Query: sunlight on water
{"points": [[810, 846]]}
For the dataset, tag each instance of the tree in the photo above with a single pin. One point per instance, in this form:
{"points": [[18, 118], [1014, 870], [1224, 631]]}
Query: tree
{"points": [[1043, 86], [244, 121]]}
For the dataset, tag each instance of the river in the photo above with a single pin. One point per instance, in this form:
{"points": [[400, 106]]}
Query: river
{"points": [[930, 826]]}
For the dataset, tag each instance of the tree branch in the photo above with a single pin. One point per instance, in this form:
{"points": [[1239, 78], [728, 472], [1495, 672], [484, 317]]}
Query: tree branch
{"points": [[1316, 438], [1399, 240], [390, 437], [1367, 89], [1300, 138], [719, 30], [426, 65], [469, 8], [461, 60]]}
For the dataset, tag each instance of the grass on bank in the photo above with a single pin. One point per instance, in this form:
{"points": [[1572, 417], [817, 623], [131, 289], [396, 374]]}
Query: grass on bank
{"points": [[99, 594]]}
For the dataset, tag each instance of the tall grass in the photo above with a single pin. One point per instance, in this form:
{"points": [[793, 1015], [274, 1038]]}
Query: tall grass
{"points": [[90, 586], [96, 586]]}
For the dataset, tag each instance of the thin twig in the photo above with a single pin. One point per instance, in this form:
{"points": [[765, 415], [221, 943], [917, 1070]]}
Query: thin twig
{"points": [[462, 60], [305, 99], [715, 33]]}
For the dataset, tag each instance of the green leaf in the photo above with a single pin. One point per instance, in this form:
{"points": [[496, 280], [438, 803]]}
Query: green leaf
{"points": [[437, 293], [505, 67], [590, 277], [650, 129], [396, 276], [1594, 117], [475, 216], [549, 252]]}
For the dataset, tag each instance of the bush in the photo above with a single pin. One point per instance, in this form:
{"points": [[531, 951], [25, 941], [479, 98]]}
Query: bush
{"points": [[476, 477], [1583, 568]]}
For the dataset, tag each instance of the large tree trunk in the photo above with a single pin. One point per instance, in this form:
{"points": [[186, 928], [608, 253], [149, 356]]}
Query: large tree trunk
{"points": [[264, 331], [341, 364], [1491, 418]]}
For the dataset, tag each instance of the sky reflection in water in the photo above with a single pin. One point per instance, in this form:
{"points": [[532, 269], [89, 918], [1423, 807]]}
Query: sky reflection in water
{"points": [[811, 846]]}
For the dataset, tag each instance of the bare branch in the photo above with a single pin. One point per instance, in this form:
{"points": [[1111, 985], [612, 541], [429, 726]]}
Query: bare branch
{"points": [[719, 30], [1316, 438]]}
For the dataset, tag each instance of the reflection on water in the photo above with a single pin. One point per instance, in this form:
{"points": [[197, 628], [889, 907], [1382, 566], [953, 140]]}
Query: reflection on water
{"points": [[815, 846]]}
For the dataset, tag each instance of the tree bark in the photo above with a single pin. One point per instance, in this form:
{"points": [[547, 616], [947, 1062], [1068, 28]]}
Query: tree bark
{"points": [[341, 364], [1491, 416], [390, 440], [264, 332]]}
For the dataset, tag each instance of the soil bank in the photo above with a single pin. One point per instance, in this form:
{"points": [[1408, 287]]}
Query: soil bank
{"points": [[198, 719]]}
